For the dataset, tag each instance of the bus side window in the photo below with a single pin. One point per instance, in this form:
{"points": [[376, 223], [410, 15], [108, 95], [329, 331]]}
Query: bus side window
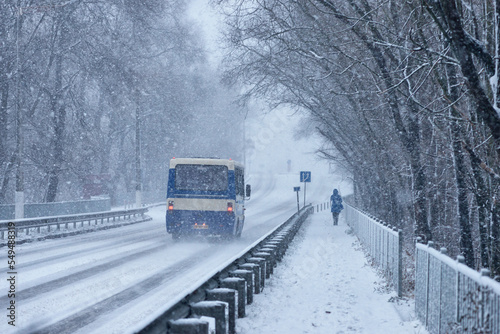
{"points": [[239, 182]]}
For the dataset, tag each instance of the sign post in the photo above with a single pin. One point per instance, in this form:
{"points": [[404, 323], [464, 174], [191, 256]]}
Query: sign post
{"points": [[297, 189], [305, 176]]}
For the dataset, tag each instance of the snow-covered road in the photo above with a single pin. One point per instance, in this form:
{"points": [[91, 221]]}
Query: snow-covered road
{"points": [[107, 281]]}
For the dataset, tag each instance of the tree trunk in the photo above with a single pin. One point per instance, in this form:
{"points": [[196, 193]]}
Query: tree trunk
{"points": [[466, 245], [483, 204], [4, 96], [458, 40], [58, 110]]}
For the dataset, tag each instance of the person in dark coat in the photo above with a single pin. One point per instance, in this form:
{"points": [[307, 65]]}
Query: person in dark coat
{"points": [[336, 206]]}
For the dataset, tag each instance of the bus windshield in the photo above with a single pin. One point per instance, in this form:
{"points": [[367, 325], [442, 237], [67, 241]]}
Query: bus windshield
{"points": [[201, 177]]}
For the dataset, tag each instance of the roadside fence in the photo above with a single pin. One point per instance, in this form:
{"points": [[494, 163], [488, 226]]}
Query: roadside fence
{"points": [[383, 242], [453, 298]]}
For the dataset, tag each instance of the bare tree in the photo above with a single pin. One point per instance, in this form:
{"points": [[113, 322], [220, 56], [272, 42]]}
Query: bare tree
{"points": [[407, 108]]}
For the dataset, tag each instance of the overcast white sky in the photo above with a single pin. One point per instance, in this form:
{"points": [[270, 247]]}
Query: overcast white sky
{"points": [[210, 20]]}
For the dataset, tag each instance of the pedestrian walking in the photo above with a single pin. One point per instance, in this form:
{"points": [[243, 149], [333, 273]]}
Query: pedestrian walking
{"points": [[336, 206]]}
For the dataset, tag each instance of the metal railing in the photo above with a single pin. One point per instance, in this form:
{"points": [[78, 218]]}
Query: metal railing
{"points": [[251, 267], [57, 221], [383, 242], [322, 206], [453, 298], [35, 210]]}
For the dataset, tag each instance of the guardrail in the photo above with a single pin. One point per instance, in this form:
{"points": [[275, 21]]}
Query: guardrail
{"points": [[453, 298], [228, 289], [35, 210], [57, 221], [384, 243]]}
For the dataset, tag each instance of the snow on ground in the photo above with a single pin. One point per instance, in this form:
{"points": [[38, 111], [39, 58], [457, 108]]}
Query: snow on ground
{"points": [[324, 285]]}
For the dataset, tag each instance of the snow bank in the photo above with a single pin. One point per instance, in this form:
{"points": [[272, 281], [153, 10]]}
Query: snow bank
{"points": [[324, 285]]}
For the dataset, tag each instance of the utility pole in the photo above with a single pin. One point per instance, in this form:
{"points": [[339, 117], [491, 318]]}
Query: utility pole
{"points": [[138, 171], [19, 197]]}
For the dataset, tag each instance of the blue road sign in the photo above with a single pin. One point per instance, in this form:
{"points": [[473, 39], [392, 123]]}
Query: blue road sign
{"points": [[296, 188], [305, 176]]}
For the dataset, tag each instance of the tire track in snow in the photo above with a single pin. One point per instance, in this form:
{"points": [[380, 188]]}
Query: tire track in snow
{"points": [[132, 231], [91, 313], [46, 287], [67, 256]]}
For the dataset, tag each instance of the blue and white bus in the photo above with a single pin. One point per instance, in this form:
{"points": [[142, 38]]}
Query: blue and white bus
{"points": [[205, 197]]}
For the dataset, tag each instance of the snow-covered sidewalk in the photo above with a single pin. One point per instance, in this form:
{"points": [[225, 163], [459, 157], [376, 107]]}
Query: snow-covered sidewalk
{"points": [[324, 284]]}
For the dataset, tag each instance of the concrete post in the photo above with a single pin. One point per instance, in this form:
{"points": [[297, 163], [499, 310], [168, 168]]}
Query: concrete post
{"points": [[271, 250], [228, 296], [262, 263], [240, 286], [187, 326], [267, 257], [215, 309], [256, 274], [249, 278], [280, 249]]}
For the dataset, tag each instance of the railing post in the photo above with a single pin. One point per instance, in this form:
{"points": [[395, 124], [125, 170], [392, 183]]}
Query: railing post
{"points": [[460, 259], [443, 251], [484, 300], [400, 263], [429, 244]]}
